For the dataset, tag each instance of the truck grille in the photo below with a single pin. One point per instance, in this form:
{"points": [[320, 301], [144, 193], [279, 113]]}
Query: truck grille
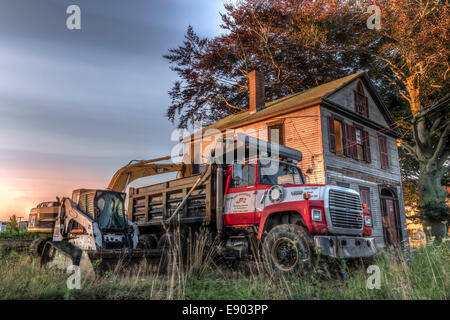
{"points": [[345, 210]]}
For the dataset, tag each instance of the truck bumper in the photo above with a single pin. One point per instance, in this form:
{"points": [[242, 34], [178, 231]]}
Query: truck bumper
{"points": [[345, 247]]}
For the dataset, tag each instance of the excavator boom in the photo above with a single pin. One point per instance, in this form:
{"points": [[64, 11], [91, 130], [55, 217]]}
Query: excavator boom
{"points": [[136, 169]]}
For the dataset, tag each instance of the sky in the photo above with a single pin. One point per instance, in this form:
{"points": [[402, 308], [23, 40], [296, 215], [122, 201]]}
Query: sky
{"points": [[76, 105]]}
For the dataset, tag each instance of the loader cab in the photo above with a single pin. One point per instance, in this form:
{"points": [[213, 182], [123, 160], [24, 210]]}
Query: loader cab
{"points": [[110, 212], [106, 207]]}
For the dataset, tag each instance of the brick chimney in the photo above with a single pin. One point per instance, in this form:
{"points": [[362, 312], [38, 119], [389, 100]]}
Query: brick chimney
{"points": [[256, 91]]}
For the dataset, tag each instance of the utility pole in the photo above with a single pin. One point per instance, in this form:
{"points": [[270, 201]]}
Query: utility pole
{"points": [[18, 222]]}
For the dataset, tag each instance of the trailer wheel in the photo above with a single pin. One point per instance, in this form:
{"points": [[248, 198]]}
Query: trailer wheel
{"points": [[287, 250], [148, 241], [37, 246], [175, 246], [171, 241]]}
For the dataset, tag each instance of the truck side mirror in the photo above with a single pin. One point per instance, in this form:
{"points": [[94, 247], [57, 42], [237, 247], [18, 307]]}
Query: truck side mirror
{"points": [[237, 172]]}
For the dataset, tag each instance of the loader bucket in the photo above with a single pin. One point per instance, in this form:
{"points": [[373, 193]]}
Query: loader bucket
{"points": [[93, 263], [64, 255]]}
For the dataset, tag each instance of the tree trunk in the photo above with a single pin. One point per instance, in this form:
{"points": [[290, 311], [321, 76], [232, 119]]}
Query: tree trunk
{"points": [[432, 200]]}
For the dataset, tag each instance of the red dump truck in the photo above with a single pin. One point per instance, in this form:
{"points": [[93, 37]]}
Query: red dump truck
{"points": [[262, 199]]}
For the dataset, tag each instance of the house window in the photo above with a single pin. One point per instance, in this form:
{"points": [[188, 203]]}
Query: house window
{"points": [[384, 159], [339, 136], [348, 140], [361, 101], [360, 145], [276, 131]]}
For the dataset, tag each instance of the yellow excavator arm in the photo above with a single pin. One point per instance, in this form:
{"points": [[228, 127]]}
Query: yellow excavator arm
{"points": [[136, 169]]}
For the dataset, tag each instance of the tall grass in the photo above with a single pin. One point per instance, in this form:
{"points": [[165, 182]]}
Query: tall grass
{"points": [[21, 234], [196, 274]]}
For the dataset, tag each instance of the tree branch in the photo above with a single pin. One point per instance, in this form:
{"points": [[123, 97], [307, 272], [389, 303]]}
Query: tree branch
{"points": [[417, 138], [395, 69], [441, 145], [444, 158], [409, 149], [229, 104], [436, 130]]}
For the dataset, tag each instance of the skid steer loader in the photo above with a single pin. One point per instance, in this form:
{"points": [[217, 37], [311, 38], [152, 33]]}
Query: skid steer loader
{"points": [[91, 230]]}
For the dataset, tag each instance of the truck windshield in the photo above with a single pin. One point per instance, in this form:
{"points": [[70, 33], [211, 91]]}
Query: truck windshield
{"points": [[111, 211], [286, 174]]}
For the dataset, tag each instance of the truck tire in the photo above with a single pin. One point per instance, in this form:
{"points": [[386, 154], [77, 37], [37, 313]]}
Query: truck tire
{"points": [[288, 250]]}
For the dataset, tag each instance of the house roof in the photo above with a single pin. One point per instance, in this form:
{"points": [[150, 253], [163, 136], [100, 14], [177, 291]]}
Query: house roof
{"points": [[313, 96], [296, 99]]}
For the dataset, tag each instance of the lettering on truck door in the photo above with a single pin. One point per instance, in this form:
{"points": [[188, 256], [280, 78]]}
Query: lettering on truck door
{"points": [[240, 198]]}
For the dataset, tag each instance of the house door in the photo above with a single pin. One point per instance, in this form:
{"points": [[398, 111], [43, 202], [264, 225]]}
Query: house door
{"points": [[390, 217]]}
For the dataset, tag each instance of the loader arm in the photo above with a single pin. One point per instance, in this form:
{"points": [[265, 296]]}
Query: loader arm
{"points": [[68, 212], [139, 169], [72, 213]]}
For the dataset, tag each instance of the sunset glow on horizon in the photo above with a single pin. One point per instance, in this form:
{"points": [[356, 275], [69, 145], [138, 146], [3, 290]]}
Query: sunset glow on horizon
{"points": [[77, 105]]}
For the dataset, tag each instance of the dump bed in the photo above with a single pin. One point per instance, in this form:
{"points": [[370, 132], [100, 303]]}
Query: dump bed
{"points": [[150, 205]]}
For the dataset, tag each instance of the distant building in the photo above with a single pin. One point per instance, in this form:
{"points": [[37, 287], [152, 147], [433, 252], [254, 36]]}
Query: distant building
{"points": [[3, 226], [23, 225]]}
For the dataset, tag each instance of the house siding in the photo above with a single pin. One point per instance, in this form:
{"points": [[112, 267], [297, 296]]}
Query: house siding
{"points": [[302, 132], [345, 98]]}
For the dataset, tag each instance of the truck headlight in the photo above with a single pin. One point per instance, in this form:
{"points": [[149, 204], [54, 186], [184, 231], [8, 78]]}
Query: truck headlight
{"points": [[368, 221], [316, 215]]}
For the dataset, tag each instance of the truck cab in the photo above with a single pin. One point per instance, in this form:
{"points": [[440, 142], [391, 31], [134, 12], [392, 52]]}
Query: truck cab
{"points": [[265, 192]]}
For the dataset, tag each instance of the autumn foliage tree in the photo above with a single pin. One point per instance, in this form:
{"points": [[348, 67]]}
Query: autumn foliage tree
{"points": [[300, 44], [261, 35]]}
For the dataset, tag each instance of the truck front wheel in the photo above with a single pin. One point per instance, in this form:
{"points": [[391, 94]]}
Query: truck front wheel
{"points": [[287, 250]]}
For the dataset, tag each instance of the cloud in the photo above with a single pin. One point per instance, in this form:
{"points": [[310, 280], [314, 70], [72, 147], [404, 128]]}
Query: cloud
{"points": [[75, 106]]}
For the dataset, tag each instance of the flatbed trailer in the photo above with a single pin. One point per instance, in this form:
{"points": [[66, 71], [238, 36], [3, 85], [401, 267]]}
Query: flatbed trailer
{"points": [[150, 207]]}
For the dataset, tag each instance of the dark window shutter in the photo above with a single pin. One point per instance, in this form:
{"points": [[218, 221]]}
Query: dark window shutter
{"points": [[353, 147], [331, 134], [383, 153], [380, 146], [366, 107], [386, 158], [355, 96], [347, 140], [367, 146]]}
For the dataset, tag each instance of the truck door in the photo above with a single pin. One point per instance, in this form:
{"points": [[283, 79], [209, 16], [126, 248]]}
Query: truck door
{"points": [[240, 197]]}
